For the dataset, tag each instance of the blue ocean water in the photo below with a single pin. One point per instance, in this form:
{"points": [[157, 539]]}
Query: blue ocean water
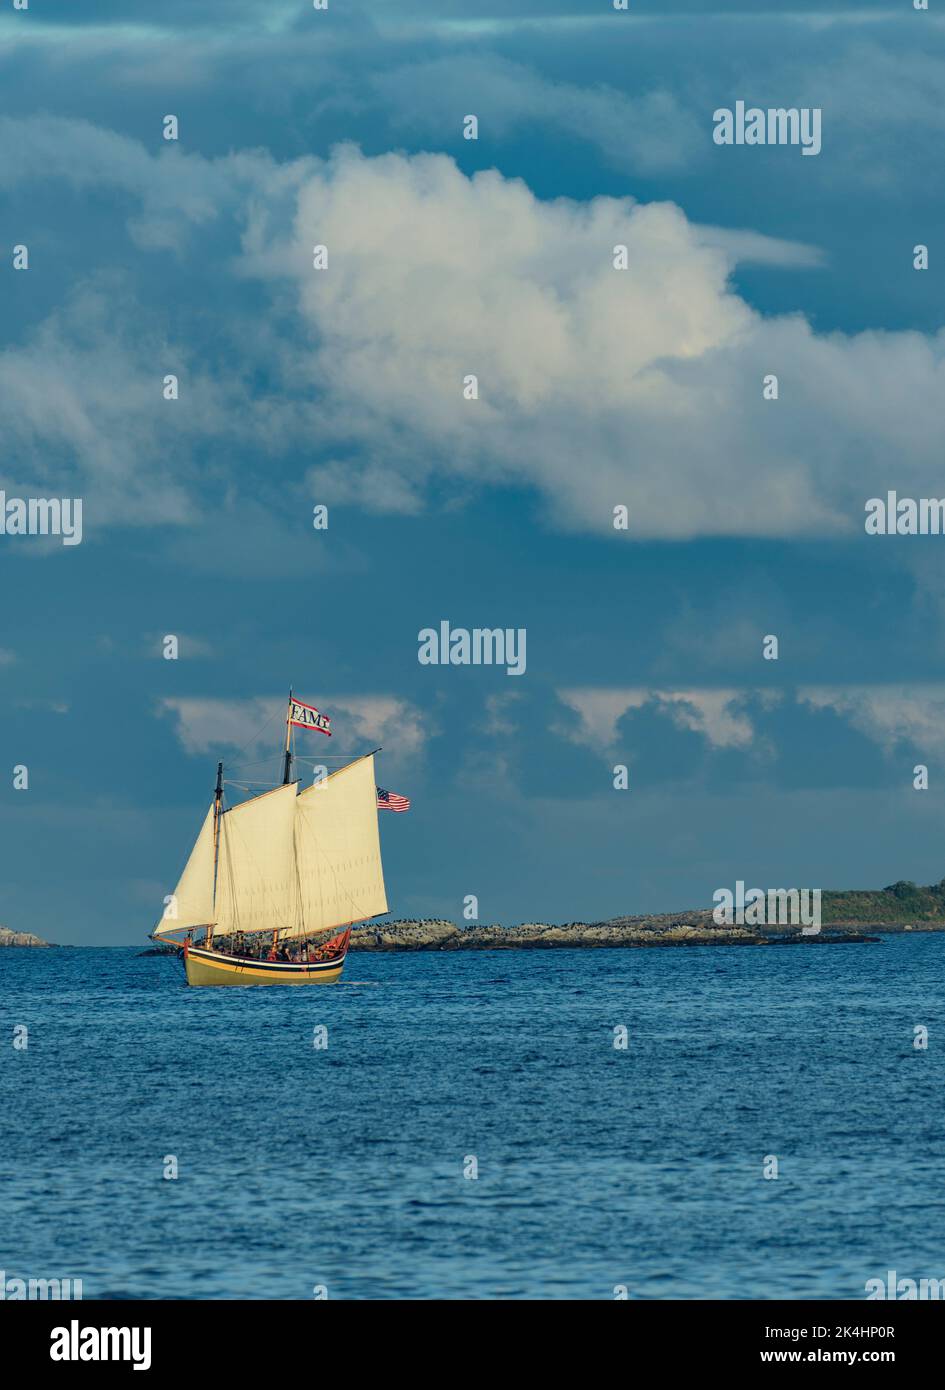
{"points": [[598, 1167]]}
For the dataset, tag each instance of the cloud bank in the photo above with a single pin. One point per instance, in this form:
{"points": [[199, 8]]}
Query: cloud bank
{"points": [[597, 387]]}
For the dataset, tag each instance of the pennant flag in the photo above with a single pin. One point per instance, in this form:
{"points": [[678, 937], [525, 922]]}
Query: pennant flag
{"points": [[307, 717], [390, 801]]}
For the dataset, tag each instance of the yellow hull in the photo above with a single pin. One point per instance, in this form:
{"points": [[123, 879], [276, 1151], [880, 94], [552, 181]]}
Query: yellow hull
{"points": [[212, 968]]}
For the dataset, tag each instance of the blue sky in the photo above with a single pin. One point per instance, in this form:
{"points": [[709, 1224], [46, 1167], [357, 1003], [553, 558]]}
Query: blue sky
{"points": [[597, 388]]}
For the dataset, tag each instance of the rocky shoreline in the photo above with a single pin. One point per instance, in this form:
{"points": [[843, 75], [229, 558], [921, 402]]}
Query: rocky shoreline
{"points": [[662, 929], [666, 929]]}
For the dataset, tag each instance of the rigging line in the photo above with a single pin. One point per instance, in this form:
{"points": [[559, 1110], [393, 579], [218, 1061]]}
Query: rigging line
{"points": [[296, 758], [306, 757], [259, 733], [250, 762]]}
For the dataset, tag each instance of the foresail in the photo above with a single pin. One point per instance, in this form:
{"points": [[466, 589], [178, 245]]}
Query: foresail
{"points": [[191, 904], [257, 886], [338, 850]]}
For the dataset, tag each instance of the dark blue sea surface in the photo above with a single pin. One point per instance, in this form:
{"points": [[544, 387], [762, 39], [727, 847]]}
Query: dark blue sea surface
{"points": [[343, 1166]]}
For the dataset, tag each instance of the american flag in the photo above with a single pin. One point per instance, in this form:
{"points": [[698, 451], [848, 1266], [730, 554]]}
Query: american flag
{"points": [[390, 801]]}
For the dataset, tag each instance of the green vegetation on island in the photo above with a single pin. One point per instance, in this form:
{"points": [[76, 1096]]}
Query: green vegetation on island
{"points": [[903, 903]]}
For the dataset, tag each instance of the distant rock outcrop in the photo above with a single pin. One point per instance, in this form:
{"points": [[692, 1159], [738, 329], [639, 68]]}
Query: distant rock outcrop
{"points": [[846, 916], [20, 938], [403, 936], [664, 929]]}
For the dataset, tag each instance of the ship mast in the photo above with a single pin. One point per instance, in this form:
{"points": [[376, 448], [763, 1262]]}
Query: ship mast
{"points": [[217, 812], [287, 770], [286, 777]]}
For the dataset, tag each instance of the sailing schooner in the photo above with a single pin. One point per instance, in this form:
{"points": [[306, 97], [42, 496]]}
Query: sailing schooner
{"points": [[271, 873]]}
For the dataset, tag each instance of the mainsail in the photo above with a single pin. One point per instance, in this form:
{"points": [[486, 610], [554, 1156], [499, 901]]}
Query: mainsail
{"points": [[338, 850], [192, 901], [287, 863]]}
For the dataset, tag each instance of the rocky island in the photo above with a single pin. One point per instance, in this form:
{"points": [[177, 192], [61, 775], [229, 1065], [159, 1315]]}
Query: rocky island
{"points": [[665, 929], [847, 915], [20, 938]]}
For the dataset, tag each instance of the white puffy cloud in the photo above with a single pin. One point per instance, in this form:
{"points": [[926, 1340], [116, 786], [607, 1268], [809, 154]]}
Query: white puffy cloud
{"points": [[204, 724], [888, 715], [387, 721], [255, 727], [597, 386], [82, 408], [599, 712], [717, 714]]}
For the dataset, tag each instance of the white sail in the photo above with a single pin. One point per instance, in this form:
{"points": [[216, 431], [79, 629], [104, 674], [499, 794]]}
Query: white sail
{"points": [[257, 885], [192, 902], [338, 850]]}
